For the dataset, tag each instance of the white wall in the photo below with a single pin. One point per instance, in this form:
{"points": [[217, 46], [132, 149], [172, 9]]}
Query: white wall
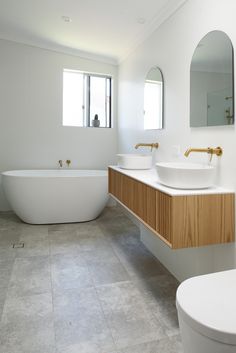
{"points": [[171, 48], [31, 131]]}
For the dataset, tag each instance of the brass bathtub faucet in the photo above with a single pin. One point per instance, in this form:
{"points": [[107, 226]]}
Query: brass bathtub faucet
{"points": [[152, 145], [60, 162], [217, 151]]}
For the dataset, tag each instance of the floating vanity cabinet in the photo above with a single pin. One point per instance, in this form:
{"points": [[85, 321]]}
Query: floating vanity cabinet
{"points": [[136, 196], [181, 221]]}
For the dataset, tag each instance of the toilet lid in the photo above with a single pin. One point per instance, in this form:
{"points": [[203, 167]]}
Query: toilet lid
{"points": [[208, 304]]}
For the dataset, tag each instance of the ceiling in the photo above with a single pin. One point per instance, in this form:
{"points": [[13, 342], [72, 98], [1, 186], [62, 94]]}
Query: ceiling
{"points": [[103, 29]]}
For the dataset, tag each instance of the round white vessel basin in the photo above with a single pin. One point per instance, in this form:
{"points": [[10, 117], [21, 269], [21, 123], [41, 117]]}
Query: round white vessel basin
{"points": [[135, 161], [186, 175]]}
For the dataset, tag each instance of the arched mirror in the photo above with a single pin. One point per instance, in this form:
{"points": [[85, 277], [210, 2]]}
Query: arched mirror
{"points": [[211, 82], [153, 99]]}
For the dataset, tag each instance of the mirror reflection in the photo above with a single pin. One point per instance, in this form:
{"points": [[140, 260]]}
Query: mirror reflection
{"points": [[153, 99], [211, 82]]}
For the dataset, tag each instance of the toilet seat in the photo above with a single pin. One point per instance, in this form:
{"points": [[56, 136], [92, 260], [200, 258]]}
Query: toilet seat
{"points": [[208, 304]]}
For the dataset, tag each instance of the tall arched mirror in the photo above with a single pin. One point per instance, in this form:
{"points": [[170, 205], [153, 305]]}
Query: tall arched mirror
{"points": [[211, 82], [153, 99]]}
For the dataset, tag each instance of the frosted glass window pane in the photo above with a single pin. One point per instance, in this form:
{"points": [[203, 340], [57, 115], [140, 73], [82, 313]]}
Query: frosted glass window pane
{"points": [[98, 99], [73, 99], [153, 105]]}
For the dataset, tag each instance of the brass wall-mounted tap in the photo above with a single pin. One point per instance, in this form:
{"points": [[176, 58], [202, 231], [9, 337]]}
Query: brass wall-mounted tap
{"points": [[60, 162], [217, 151], [152, 145]]}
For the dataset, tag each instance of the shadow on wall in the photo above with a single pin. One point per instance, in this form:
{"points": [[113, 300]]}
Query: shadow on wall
{"points": [[186, 263]]}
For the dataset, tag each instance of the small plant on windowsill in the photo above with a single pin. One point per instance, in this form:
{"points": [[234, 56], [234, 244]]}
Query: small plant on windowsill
{"points": [[96, 121]]}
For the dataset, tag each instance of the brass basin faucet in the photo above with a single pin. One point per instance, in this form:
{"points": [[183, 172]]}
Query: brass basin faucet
{"points": [[217, 151], [152, 145]]}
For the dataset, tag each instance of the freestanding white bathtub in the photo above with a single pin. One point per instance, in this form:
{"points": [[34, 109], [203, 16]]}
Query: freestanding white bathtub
{"points": [[56, 196]]}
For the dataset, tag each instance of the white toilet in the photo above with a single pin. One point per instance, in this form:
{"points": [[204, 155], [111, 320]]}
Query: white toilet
{"points": [[207, 313]]}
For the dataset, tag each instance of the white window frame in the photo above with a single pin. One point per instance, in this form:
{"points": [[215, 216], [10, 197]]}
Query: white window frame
{"points": [[86, 98]]}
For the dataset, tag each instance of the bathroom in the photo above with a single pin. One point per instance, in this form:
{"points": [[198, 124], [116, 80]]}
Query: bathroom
{"points": [[122, 258]]}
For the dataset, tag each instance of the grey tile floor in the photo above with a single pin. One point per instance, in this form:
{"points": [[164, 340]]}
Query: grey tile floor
{"points": [[84, 288]]}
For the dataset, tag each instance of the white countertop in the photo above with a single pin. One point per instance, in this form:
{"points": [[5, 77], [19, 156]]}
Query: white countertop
{"points": [[150, 178]]}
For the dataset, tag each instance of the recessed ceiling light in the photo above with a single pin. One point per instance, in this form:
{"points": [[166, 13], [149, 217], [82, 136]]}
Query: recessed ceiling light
{"points": [[141, 20], [66, 19]]}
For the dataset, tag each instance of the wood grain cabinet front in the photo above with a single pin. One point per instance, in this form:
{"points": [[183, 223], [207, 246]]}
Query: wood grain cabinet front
{"points": [[180, 221]]}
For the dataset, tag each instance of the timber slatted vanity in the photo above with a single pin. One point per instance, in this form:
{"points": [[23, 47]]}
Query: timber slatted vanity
{"points": [[181, 218]]}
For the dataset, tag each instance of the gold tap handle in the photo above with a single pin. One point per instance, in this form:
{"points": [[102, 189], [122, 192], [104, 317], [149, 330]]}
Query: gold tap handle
{"points": [[218, 151], [154, 145], [68, 162]]}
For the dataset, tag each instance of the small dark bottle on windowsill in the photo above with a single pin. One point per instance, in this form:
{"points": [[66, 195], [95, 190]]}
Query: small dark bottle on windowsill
{"points": [[96, 121]]}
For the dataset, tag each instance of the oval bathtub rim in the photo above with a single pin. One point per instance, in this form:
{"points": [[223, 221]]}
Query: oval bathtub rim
{"points": [[59, 173]]}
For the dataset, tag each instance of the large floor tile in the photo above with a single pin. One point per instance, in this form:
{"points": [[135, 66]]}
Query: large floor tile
{"points": [[63, 242], [172, 345], [89, 228], [34, 230], [30, 275], [107, 273], [68, 227], [27, 325], [155, 289], [9, 220], [36, 245], [125, 238], [6, 254], [138, 261], [101, 254], [36, 338], [93, 242], [70, 271], [128, 316], [3, 294], [8, 237], [159, 294], [25, 310], [114, 215], [79, 321], [85, 347], [114, 230], [170, 322], [5, 272]]}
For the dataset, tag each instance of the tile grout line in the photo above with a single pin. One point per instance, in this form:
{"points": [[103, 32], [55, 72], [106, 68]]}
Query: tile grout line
{"points": [[107, 322], [100, 303], [7, 288], [53, 313]]}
